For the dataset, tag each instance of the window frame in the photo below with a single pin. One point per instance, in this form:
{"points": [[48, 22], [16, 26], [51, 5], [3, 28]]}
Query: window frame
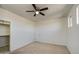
{"points": [[69, 21], [77, 14]]}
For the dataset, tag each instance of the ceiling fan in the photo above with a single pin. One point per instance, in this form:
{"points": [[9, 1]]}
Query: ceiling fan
{"points": [[38, 10]]}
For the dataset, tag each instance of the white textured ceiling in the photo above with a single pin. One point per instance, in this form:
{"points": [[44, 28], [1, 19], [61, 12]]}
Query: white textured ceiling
{"points": [[54, 10]]}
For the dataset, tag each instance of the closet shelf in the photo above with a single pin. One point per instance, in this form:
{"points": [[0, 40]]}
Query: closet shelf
{"points": [[4, 35], [4, 22]]}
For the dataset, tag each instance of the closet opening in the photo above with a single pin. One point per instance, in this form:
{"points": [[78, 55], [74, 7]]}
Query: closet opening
{"points": [[4, 36]]}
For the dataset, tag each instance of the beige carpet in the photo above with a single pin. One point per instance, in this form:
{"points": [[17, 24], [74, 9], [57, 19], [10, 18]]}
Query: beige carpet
{"points": [[4, 50], [42, 48]]}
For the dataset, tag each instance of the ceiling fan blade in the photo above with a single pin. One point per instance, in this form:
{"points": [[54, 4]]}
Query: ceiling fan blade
{"points": [[42, 13], [29, 11], [35, 14], [44, 9], [34, 6]]}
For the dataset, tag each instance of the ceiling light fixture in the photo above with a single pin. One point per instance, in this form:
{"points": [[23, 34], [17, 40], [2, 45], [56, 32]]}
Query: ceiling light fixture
{"points": [[37, 12]]}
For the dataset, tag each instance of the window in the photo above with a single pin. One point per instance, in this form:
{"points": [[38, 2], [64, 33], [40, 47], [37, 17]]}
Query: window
{"points": [[70, 21], [77, 15]]}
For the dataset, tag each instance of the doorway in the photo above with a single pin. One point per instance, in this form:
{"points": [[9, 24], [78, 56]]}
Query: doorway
{"points": [[4, 36]]}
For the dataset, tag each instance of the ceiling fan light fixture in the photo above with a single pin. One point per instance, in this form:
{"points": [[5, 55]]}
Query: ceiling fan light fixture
{"points": [[37, 12]]}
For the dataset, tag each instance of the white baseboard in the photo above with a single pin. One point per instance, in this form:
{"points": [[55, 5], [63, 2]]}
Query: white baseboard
{"points": [[27, 43], [52, 43]]}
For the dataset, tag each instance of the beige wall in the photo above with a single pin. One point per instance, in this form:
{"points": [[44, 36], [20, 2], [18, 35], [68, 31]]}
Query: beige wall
{"points": [[52, 31], [73, 32], [21, 29]]}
